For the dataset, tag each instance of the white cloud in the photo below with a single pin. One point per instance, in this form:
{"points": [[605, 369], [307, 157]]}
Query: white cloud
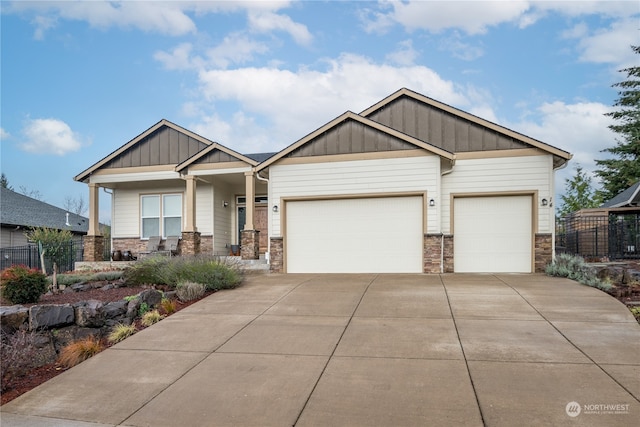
{"points": [[580, 128], [475, 17], [163, 17], [179, 58], [236, 48], [611, 45], [50, 136], [267, 21], [471, 17], [4, 134], [460, 49], [404, 55], [290, 104]]}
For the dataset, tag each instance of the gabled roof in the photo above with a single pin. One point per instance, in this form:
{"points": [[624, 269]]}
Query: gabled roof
{"points": [[84, 175], [629, 197], [561, 155], [204, 154], [19, 210], [349, 115]]}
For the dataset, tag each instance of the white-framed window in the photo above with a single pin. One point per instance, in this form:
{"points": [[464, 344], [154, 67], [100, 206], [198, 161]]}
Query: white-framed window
{"points": [[160, 215]]}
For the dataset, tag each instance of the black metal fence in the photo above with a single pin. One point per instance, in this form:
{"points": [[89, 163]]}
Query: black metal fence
{"points": [[613, 236], [29, 255]]}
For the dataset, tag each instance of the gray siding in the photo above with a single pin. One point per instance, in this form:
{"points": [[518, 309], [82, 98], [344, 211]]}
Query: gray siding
{"points": [[165, 146], [441, 128], [350, 137]]}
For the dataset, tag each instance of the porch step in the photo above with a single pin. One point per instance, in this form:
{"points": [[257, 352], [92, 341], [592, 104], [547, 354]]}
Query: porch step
{"points": [[248, 264]]}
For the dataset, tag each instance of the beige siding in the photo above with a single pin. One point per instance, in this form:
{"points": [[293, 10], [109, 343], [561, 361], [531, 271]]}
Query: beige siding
{"points": [[511, 174], [12, 237], [419, 174], [223, 231], [204, 208], [126, 209]]}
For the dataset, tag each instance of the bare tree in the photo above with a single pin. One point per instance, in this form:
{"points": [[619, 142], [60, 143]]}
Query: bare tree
{"points": [[77, 206], [34, 194]]}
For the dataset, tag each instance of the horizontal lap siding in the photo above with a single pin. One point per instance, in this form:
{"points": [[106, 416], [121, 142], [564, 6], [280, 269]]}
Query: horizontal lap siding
{"points": [[509, 174], [419, 174], [223, 231], [204, 209]]}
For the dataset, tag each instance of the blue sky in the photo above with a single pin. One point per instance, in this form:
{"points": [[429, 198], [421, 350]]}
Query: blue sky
{"points": [[80, 79]]}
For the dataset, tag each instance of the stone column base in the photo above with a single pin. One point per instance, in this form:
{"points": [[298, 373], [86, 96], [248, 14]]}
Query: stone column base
{"points": [[543, 251], [190, 244], [250, 244], [431, 253], [93, 248], [448, 253], [276, 254]]}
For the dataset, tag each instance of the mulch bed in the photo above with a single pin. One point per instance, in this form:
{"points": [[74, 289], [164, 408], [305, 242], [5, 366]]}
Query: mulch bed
{"points": [[20, 385]]}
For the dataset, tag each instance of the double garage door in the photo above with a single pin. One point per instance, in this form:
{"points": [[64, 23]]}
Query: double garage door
{"points": [[362, 235], [385, 235]]}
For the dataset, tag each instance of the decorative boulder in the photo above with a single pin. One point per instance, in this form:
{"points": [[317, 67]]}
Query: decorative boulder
{"points": [[89, 314], [50, 316], [13, 317], [151, 297]]}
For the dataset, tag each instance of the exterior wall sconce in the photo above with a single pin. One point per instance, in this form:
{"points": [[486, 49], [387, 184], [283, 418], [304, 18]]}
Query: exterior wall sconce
{"points": [[545, 202], [225, 204], [275, 208], [432, 203]]}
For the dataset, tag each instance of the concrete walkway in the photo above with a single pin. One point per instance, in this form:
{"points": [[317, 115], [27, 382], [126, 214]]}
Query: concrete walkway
{"points": [[363, 350]]}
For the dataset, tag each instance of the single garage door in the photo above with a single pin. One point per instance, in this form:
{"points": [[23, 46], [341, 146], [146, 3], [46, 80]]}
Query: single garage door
{"points": [[362, 235], [492, 234]]}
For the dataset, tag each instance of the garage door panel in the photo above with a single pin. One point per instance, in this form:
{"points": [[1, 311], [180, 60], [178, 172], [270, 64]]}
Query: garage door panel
{"points": [[355, 235], [493, 234]]}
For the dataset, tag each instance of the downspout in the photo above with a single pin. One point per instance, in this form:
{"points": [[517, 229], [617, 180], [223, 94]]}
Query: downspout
{"points": [[267, 254], [447, 172]]}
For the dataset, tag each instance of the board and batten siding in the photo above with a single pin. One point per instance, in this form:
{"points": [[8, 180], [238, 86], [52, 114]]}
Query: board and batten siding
{"points": [[126, 208], [378, 176], [497, 175]]}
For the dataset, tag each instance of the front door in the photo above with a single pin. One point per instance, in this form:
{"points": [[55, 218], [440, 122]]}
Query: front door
{"points": [[260, 217]]}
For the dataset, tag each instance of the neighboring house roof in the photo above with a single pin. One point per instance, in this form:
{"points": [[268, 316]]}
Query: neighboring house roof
{"points": [[404, 141], [629, 197], [19, 210]]}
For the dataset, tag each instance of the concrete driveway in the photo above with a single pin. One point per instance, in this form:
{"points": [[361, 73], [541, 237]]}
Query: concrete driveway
{"points": [[363, 350]]}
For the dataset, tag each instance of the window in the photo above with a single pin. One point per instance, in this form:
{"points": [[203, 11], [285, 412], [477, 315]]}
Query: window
{"points": [[161, 215]]}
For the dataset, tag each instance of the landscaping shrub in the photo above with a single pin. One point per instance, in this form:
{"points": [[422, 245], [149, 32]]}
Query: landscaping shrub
{"points": [[575, 268], [79, 351], [168, 305], [188, 291], [17, 356], [22, 285], [120, 332], [211, 272], [151, 317], [56, 245]]}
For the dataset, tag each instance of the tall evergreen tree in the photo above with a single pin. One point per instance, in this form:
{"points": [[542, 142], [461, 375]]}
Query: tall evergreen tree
{"points": [[623, 169], [4, 182], [579, 194]]}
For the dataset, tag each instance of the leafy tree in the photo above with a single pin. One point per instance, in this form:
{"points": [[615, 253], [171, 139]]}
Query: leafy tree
{"points": [[579, 194], [4, 182], [623, 170]]}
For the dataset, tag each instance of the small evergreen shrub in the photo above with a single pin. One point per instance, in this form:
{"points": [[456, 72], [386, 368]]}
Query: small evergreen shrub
{"points": [[79, 351], [22, 285], [575, 268], [188, 291], [151, 317], [120, 332], [144, 308]]}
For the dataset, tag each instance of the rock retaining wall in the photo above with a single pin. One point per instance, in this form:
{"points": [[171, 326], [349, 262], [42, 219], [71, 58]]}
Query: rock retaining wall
{"points": [[56, 325]]}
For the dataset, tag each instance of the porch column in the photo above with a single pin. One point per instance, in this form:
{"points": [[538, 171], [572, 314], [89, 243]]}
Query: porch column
{"points": [[190, 236], [93, 242], [190, 220], [94, 210], [249, 237]]}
